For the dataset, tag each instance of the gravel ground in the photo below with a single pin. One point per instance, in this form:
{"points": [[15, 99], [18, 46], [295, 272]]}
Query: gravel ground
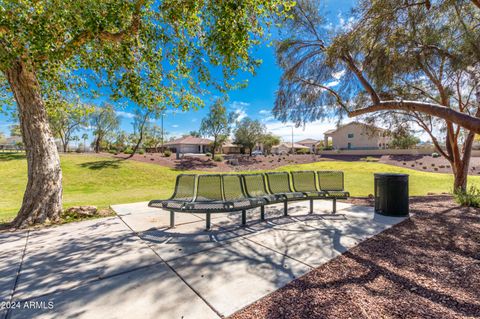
{"points": [[425, 267]]}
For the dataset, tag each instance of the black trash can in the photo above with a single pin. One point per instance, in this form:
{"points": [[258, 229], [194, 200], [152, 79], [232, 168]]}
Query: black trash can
{"points": [[391, 194]]}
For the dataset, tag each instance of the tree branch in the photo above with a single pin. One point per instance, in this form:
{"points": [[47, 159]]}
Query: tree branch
{"points": [[467, 121], [106, 36], [358, 73]]}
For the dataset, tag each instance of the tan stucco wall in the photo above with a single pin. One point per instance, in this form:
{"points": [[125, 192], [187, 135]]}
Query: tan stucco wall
{"points": [[362, 138]]}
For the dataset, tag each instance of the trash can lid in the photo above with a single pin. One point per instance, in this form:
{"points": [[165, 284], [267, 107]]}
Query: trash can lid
{"points": [[391, 176]]}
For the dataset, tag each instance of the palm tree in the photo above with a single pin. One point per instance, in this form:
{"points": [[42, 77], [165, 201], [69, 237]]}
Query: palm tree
{"points": [[84, 138]]}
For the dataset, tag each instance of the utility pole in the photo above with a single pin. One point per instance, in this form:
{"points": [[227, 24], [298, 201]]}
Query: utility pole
{"points": [[162, 132]]}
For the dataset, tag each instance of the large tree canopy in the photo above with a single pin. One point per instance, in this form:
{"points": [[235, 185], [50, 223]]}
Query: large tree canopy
{"points": [[421, 63], [374, 57], [153, 53]]}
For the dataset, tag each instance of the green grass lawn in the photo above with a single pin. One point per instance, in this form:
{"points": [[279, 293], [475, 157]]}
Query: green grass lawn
{"points": [[101, 181]]}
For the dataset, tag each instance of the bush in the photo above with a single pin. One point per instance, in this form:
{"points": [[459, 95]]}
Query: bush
{"points": [[371, 159], [208, 154], [113, 152], [218, 158], [435, 155], [470, 198], [303, 151], [78, 150], [167, 153], [128, 150], [141, 152]]}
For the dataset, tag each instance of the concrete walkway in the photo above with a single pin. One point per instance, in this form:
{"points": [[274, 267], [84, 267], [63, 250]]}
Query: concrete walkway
{"points": [[134, 266]]}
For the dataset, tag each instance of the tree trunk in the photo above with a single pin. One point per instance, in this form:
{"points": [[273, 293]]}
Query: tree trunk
{"points": [[42, 200]]}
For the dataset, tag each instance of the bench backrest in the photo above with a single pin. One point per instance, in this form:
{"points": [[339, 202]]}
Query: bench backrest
{"points": [[304, 181], [232, 187], [279, 182], [184, 187], [330, 180], [255, 185], [209, 187]]}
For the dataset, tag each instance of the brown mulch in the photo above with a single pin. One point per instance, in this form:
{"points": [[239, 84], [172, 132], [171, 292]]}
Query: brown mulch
{"points": [[207, 164], [425, 267]]}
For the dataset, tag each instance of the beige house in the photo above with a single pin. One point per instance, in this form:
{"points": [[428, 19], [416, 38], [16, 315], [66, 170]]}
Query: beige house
{"points": [[357, 136], [285, 147], [310, 143], [190, 144], [229, 148]]}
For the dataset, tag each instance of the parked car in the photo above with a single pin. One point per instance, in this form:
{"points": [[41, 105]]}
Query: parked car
{"points": [[256, 153]]}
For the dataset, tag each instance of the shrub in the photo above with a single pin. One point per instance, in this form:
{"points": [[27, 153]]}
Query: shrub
{"points": [[78, 150], [167, 153], [370, 159], [141, 152], [470, 197], [208, 154], [218, 158], [113, 152], [128, 150], [435, 155], [303, 151]]}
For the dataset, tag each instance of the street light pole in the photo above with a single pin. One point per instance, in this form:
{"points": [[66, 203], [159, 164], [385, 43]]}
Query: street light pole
{"points": [[162, 132]]}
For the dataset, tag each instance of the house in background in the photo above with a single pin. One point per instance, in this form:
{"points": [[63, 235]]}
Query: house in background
{"points": [[310, 143], [357, 136], [229, 148], [190, 144], [285, 147]]}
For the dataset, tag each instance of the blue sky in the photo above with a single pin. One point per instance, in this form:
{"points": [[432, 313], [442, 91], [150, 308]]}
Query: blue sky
{"points": [[255, 101]]}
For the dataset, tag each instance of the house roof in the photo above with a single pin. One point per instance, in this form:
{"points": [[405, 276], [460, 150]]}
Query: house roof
{"points": [[307, 141], [356, 123], [190, 140], [289, 145]]}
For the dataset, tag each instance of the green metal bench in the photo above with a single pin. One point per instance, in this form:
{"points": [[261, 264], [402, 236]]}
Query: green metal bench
{"points": [[279, 184], [213, 194], [217, 193], [306, 183], [332, 184], [184, 192]]}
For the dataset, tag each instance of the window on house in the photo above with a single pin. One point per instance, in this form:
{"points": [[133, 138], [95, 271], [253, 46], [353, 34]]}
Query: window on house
{"points": [[350, 135]]}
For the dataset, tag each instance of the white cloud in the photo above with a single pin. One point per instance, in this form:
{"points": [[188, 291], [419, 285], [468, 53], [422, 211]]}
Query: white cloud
{"points": [[338, 75], [265, 112], [125, 114], [239, 108], [332, 83], [174, 125]]}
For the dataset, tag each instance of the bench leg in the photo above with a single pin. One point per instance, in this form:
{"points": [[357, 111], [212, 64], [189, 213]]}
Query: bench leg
{"points": [[285, 208], [334, 205], [311, 206], [207, 221], [172, 219], [244, 217], [262, 212]]}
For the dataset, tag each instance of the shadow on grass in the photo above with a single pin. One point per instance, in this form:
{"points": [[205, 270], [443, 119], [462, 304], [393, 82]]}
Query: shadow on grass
{"points": [[11, 156], [98, 165]]}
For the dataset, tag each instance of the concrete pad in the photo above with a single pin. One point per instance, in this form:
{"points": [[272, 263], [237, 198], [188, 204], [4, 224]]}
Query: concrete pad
{"points": [[187, 239], [152, 292], [71, 260], [9, 264], [159, 218], [232, 276], [89, 231], [132, 208], [12, 240]]}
